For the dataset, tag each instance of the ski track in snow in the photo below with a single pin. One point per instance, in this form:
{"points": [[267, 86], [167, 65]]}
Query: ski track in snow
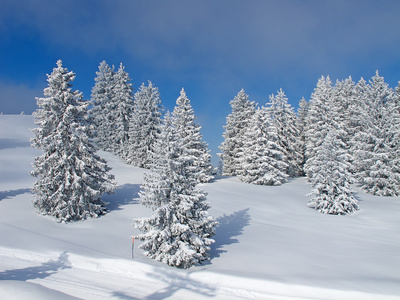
{"points": [[269, 244]]}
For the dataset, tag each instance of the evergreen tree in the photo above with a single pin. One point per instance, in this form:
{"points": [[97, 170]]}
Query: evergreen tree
{"points": [[123, 103], [377, 145], [331, 180], [112, 99], [319, 120], [144, 126], [301, 124], [191, 139], [284, 120], [103, 105], [179, 231], [235, 128], [263, 159], [71, 178], [358, 121]]}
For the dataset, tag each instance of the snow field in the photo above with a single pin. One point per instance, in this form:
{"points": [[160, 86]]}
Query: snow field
{"points": [[269, 244]]}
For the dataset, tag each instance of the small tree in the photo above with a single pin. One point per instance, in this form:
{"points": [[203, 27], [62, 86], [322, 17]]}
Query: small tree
{"points": [[144, 126], [331, 178], [71, 178], [263, 160], [188, 133], [300, 124], [180, 230], [235, 128]]}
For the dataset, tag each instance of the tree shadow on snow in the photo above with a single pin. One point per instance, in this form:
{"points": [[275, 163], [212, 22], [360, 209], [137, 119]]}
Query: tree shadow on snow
{"points": [[44, 270], [13, 193], [177, 281], [123, 296], [123, 195], [13, 143], [229, 227]]}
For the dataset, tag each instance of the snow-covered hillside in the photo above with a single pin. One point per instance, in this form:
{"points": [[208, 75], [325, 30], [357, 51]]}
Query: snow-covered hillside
{"points": [[269, 244]]}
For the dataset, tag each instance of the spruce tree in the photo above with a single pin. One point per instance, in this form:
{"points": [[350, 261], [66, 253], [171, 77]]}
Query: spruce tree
{"points": [[144, 126], [71, 178], [179, 231], [301, 127], [377, 145], [331, 180], [263, 159], [235, 128], [103, 105], [189, 135], [319, 120], [123, 103], [284, 119], [112, 99]]}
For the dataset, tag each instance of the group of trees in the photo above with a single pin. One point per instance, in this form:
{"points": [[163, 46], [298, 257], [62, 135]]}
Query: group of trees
{"points": [[346, 133], [71, 177]]}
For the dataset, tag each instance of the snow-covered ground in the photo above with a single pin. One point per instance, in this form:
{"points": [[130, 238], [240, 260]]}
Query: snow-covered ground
{"points": [[269, 244]]}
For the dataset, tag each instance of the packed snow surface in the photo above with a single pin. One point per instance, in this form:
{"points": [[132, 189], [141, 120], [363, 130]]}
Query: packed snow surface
{"points": [[269, 244]]}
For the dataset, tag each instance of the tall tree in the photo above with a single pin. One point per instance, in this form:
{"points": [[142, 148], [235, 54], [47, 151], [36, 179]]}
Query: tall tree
{"points": [[103, 104], [189, 136], [123, 103], [144, 126], [301, 127], [263, 159], [377, 145], [331, 180], [235, 128], [71, 178], [179, 233], [319, 120], [284, 118]]}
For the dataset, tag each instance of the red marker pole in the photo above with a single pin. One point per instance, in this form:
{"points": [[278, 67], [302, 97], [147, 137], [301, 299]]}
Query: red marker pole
{"points": [[133, 243]]}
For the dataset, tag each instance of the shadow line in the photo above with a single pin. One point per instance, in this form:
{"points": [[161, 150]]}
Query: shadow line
{"points": [[12, 193], [178, 282], [229, 227], [44, 270], [123, 195]]}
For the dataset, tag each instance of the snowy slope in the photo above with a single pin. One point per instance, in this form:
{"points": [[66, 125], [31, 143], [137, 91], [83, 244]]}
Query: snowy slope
{"points": [[269, 244]]}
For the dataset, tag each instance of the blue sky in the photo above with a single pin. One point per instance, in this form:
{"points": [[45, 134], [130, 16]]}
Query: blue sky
{"points": [[212, 48]]}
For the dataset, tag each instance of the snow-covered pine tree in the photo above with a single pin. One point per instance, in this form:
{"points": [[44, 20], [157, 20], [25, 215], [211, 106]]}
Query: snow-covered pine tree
{"points": [[191, 140], [331, 178], [71, 178], [144, 126], [344, 98], [236, 126], [318, 121], [376, 146], [103, 105], [123, 103], [359, 120], [179, 233], [284, 119], [263, 159], [300, 124]]}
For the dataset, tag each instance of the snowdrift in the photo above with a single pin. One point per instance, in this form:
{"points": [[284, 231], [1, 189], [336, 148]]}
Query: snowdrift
{"points": [[269, 244]]}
